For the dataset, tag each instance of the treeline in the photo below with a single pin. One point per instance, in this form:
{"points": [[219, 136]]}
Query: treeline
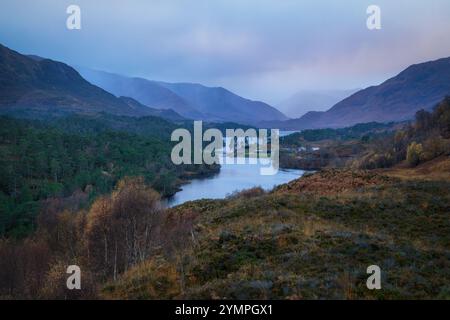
{"points": [[80, 157], [117, 232], [321, 148], [371, 145], [358, 131], [426, 138]]}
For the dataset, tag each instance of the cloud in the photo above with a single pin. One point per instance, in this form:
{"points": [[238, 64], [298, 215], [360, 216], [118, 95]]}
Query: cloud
{"points": [[263, 49]]}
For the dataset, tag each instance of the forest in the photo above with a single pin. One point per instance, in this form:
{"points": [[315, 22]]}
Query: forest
{"points": [[80, 157], [371, 145]]}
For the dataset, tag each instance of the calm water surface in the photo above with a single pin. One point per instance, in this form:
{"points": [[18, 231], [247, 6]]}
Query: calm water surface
{"points": [[232, 177]]}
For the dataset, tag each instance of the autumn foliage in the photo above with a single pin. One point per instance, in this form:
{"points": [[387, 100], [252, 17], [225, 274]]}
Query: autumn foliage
{"points": [[116, 233]]}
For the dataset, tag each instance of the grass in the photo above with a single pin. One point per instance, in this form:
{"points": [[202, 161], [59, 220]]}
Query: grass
{"points": [[311, 239]]}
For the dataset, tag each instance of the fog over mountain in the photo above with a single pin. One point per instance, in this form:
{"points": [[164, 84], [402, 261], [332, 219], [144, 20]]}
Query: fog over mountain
{"points": [[420, 86], [262, 51], [309, 100], [146, 92], [190, 100]]}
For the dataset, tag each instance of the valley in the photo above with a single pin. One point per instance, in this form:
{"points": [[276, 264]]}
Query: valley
{"points": [[86, 178], [310, 238]]}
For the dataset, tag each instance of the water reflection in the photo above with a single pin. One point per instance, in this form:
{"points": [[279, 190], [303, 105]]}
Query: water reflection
{"points": [[232, 177]]}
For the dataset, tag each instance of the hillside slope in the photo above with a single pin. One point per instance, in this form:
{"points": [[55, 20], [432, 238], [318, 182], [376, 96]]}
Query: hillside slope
{"points": [[32, 84], [193, 101], [220, 104], [146, 92], [420, 86], [310, 239]]}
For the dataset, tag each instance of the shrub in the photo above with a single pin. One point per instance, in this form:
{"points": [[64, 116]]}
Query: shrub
{"points": [[414, 154], [434, 147], [248, 193], [442, 116]]}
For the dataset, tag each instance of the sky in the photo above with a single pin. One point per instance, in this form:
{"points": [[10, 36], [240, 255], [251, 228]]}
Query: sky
{"points": [[261, 49]]}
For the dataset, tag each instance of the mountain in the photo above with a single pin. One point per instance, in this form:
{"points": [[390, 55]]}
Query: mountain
{"points": [[307, 100], [420, 86], [167, 114], [192, 101], [220, 104], [149, 93], [35, 85]]}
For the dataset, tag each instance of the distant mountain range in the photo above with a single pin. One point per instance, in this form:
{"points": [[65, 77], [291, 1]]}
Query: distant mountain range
{"points": [[190, 100], [31, 84], [34, 86], [147, 92], [312, 100], [420, 86]]}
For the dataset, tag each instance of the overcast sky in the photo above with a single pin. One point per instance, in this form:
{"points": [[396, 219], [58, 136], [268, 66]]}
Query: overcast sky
{"points": [[261, 49]]}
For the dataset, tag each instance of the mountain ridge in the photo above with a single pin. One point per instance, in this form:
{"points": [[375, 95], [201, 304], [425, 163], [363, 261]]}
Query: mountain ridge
{"points": [[30, 83], [145, 91], [191, 100], [419, 86]]}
